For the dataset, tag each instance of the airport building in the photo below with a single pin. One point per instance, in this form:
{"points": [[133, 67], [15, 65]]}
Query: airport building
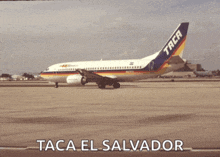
{"points": [[191, 67], [186, 71]]}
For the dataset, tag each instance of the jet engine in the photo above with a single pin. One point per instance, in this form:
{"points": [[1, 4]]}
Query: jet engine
{"points": [[76, 79]]}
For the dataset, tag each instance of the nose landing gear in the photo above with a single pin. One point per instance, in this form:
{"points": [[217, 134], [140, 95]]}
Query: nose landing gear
{"points": [[56, 85]]}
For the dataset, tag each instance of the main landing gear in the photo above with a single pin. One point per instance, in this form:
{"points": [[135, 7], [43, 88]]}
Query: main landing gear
{"points": [[116, 85], [56, 85], [102, 85]]}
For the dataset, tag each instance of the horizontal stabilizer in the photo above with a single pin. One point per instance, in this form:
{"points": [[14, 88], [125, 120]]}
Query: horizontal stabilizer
{"points": [[176, 60]]}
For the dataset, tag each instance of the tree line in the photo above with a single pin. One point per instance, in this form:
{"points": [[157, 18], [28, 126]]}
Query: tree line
{"points": [[26, 75]]}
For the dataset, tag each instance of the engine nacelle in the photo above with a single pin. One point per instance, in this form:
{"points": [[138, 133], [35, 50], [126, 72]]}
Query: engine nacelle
{"points": [[76, 79]]}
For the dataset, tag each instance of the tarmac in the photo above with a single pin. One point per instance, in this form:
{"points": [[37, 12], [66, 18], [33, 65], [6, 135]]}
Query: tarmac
{"points": [[149, 110]]}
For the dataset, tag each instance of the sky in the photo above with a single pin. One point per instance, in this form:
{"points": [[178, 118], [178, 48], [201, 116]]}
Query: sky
{"points": [[37, 34]]}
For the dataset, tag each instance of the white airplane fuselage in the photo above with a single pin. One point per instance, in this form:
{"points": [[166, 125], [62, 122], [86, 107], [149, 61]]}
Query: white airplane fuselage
{"points": [[123, 70]]}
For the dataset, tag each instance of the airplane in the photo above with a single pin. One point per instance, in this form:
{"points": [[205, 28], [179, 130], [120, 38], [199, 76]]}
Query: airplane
{"points": [[203, 73], [111, 72]]}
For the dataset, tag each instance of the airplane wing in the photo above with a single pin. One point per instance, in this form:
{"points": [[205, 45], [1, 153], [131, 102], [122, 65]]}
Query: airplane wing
{"points": [[91, 76]]}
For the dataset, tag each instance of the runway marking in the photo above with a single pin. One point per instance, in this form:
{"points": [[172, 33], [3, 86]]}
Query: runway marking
{"points": [[13, 148], [206, 150]]}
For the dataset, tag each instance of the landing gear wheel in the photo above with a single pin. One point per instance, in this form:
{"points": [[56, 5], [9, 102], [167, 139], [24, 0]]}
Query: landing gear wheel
{"points": [[101, 85], [116, 85], [56, 85]]}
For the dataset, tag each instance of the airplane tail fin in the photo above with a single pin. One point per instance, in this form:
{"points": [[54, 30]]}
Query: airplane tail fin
{"points": [[176, 42], [173, 47]]}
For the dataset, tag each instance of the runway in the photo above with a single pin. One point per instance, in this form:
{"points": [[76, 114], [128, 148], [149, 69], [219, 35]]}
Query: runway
{"points": [[188, 111]]}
